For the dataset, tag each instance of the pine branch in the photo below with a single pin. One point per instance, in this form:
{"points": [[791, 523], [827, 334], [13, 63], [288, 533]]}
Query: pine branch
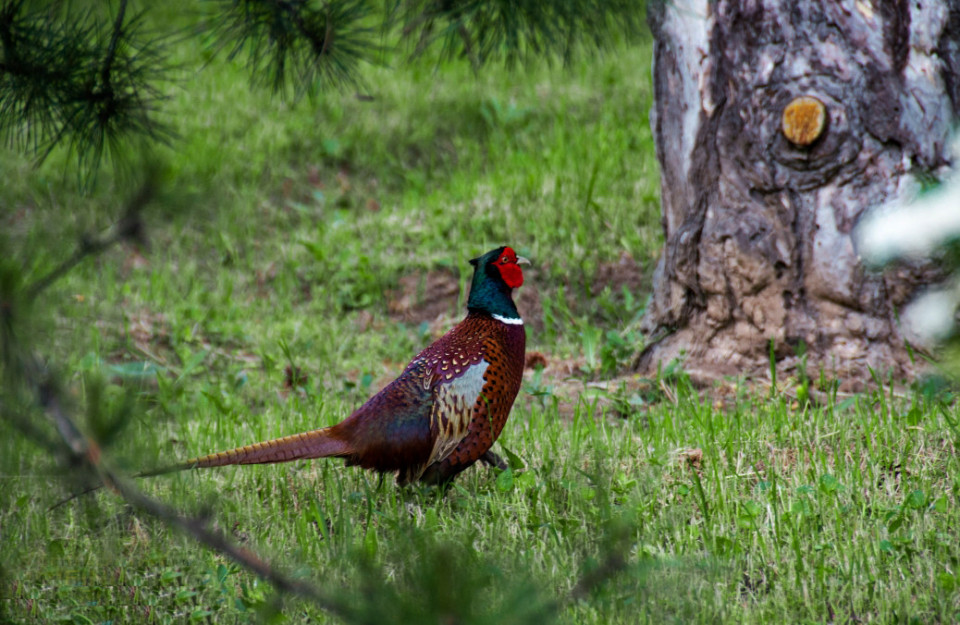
{"points": [[67, 81], [34, 74], [516, 31], [298, 44]]}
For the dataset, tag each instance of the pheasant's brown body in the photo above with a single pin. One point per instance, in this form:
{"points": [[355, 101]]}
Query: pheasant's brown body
{"points": [[502, 347], [446, 409]]}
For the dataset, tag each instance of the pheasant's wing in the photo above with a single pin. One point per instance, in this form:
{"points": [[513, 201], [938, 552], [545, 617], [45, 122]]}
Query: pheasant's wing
{"points": [[391, 431], [455, 400], [426, 412]]}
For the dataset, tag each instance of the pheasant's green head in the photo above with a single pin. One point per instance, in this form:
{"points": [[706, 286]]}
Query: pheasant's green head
{"points": [[495, 276]]}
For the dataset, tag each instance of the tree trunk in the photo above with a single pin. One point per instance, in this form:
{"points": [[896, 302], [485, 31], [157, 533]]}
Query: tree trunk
{"points": [[758, 226]]}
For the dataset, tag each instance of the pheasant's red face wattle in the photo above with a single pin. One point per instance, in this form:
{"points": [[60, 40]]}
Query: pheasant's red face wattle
{"points": [[509, 269]]}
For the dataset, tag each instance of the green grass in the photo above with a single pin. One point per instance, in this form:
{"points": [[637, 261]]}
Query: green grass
{"points": [[278, 235]]}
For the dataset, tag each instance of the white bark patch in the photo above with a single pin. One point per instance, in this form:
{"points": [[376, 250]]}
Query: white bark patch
{"points": [[689, 23], [926, 105], [833, 256]]}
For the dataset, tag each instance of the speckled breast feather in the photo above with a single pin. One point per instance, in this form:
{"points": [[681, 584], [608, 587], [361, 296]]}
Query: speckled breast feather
{"points": [[479, 339]]}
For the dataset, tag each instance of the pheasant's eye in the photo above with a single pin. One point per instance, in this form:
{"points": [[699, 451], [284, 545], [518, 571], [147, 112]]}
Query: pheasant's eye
{"points": [[505, 260]]}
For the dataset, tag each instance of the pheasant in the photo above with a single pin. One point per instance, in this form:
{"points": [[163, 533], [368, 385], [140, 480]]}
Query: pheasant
{"points": [[446, 409]]}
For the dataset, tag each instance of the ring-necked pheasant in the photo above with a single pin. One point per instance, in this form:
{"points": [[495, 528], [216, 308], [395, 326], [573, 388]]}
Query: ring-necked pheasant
{"points": [[446, 409]]}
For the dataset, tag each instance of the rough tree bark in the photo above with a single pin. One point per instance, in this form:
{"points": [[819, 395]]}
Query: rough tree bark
{"points": [[758, 225]]}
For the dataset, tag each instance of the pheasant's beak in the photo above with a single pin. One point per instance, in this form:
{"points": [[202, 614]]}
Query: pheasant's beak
{"points": [[522, 261]]}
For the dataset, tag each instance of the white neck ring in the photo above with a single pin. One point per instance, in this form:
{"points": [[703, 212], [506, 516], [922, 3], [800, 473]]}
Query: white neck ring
{"points": [[507, 320]]}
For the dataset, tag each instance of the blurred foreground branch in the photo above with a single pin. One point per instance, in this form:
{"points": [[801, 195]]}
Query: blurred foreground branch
{"points": [[30, 387], [129, 228], [86, 454]]}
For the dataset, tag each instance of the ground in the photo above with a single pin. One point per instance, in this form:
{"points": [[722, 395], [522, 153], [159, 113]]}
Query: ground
{"points": [[300, 252]]}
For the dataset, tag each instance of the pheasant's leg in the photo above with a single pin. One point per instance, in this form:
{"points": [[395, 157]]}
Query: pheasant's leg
{"points": [[494, 460], [442, 474]]}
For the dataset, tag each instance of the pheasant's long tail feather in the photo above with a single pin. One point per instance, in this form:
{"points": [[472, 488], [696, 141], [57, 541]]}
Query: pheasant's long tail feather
{"points": [[314, 444]]}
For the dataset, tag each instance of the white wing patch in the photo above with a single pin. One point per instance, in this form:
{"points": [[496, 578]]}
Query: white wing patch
{"points": [[453, 410]]}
